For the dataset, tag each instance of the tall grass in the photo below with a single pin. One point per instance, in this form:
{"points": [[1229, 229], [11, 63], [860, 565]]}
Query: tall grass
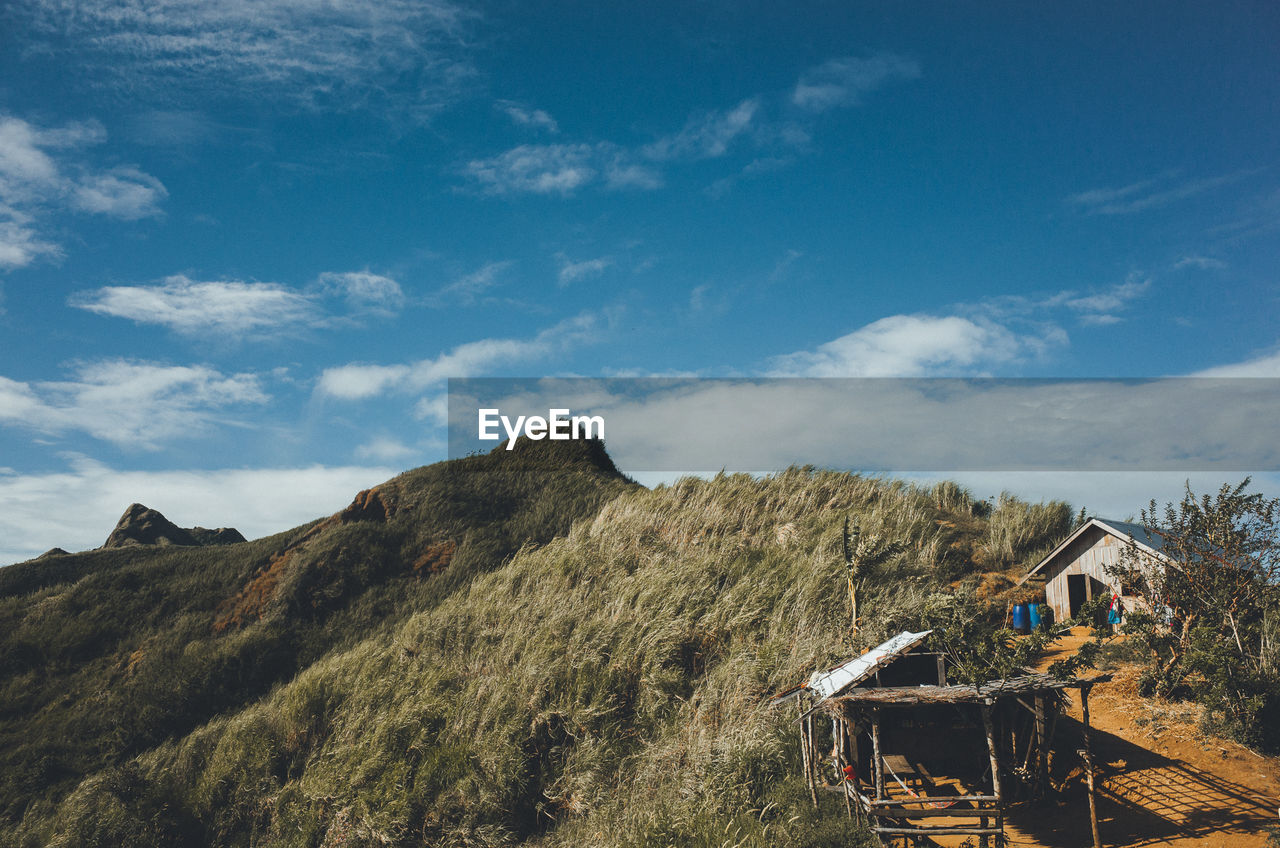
{"points": [[605, 687], [106, 654]]}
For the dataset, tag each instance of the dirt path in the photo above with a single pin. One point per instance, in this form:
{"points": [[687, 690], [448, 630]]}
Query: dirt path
{"points": [[1161, 782]]}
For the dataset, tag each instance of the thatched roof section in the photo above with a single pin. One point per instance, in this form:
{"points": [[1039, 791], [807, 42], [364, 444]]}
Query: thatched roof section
{"points": [[1031, 684]]}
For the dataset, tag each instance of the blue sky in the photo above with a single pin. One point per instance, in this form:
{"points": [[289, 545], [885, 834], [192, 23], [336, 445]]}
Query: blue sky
{"points": [[242, 245]]}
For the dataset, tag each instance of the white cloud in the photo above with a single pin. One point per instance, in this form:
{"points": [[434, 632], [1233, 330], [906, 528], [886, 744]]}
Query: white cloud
{"points": [[573, 271], [233, 308], [401, 56], [1146, 194], [40, 175], [911, 346], [527, 117], [385, 449], [357, 381], [76, 509], [1267, 365], [190, 306], [843, 82], [131, 403], [995, 332], [20, 244]]}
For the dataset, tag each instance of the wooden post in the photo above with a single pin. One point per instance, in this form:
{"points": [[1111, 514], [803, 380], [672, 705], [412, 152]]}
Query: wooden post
{"points": [[841, 736], [805, 752], [995, 760], [942, 671], [1088, 767], [875, 753], [811, 767], [1042, 748]]}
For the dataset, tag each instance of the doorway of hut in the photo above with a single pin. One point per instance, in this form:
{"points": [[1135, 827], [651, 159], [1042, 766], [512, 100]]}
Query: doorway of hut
{"points": [[1082, 588]]}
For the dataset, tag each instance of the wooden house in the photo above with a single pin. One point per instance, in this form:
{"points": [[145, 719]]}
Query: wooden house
{"points": [[1076, 571]]}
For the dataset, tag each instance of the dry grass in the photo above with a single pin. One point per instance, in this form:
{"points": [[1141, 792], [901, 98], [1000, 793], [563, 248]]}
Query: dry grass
{"points": [[605, 688]]}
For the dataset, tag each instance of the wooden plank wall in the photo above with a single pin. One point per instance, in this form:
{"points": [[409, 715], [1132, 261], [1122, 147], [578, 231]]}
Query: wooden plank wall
{"points": [[1090, 555]]}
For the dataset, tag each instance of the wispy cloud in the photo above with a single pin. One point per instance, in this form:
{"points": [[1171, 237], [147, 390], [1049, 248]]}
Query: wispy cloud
{"points": [[1204, 263], [1147, 194], [1100, 308], [357, 381], [1096, 307], [467, 289], [705, 136], [843, 82], [125, 193], [571, 272], [406, 56], [42, 172], [131, 403], [364, 292], [525, 116], [537, 169], [562, 169], [234, 308]]}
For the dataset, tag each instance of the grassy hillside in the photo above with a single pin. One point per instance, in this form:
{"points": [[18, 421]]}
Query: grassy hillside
{"points": [[602, 687], [105, 654]]}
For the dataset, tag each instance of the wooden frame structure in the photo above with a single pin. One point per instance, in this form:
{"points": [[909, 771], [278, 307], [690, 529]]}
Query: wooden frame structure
{"points": [[1017, 716]]}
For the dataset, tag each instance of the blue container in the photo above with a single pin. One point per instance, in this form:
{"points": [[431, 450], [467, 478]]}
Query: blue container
{"points": [[1033, 616], [1020, 619]]}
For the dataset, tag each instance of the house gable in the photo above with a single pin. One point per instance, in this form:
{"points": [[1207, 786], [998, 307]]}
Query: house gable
{"points": [[1078, 569]]}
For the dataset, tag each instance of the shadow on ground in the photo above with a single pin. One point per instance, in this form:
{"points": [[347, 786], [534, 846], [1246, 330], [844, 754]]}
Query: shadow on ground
{"points": [[1144, 798]]}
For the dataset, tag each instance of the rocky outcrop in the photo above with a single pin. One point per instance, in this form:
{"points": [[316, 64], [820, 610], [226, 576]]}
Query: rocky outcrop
{"points": [[219, 536], [369, 505], [141, 525]]}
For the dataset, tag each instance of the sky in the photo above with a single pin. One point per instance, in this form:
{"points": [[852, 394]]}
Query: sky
{"points": [[243, 245]]}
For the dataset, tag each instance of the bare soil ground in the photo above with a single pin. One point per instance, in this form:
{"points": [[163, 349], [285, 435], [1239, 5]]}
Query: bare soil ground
{"points": [[1160, 780]]}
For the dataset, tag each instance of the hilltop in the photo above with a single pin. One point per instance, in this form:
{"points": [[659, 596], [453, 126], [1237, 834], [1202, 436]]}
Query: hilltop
{"points": [[517, 648], [106, 653]]}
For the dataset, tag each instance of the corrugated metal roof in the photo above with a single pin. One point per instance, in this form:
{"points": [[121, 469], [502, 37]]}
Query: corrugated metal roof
{"points": [[1138, 533], [824, 684]]}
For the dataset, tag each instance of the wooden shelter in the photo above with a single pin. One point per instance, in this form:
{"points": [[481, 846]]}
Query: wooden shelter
{"points": [[1076, 570], [921, 759]]}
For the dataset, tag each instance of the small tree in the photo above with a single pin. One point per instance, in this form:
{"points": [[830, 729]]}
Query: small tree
{"points": [[862, 555], [1211, 607]]}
